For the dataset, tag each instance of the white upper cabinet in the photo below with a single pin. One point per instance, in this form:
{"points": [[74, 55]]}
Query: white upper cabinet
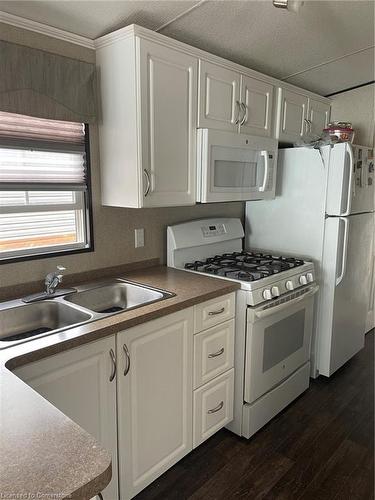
{"points": [[219, 94], [148, 125], [153, 100], [168, 95], [299, 115], [292, 116], [233, 102], [319, 113], [257, 104]]}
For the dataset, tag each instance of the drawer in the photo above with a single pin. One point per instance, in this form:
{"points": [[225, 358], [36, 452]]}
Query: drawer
{"points": [[213, 407], [213, 352], [214, 311]]}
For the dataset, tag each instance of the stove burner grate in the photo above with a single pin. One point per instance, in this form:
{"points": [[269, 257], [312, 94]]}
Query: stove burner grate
{"points": [[244, 266]]}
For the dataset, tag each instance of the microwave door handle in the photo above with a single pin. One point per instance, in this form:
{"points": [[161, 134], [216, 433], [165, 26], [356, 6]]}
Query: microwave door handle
{"points": [[344, 250], [350, 184], [264, 154]]}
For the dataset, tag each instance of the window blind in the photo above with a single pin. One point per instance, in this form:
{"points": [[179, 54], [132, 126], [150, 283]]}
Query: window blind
{"points": [[17, 126], [43, 186], [21, 166], [35, 151]]}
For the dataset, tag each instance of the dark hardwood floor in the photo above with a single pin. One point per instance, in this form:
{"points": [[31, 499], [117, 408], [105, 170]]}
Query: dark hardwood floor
{"points": [[321, 448]]}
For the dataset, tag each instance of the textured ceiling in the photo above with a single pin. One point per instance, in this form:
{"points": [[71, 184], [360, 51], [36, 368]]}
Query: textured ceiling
{"points": [[95, 18], [325, 47]]}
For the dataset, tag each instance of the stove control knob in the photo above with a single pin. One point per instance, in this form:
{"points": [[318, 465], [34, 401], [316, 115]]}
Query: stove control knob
{"points": [[310, 277], [275, 291], [267, 294], [303, 279], [289, 285]]}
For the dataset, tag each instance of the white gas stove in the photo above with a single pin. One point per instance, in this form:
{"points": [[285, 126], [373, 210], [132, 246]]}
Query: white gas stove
{"points": [[214, 247], [274, 314]]}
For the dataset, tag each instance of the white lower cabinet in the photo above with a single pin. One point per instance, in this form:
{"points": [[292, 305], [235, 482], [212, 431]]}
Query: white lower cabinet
{"points": [[213, 352], [213, 366], [134, 391], [78, 382], [154, 399], [213, 407]]}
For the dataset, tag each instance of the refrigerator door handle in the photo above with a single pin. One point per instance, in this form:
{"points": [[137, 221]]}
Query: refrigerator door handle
{"points": [[350, 185], [344, 250]]}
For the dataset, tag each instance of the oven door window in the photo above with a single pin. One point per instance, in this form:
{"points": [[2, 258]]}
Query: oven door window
{"points": [[276, 346], [282, 339]]}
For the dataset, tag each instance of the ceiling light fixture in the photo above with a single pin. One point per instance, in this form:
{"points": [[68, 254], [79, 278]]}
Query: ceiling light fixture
{"points": [[291, 5]]}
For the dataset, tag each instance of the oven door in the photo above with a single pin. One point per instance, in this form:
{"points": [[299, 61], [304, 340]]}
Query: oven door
{"points": [[278, 341], [235, 167]]}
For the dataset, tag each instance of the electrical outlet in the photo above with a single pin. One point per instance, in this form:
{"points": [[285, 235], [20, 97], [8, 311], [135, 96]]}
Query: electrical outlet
{"points": [[139, 237]]}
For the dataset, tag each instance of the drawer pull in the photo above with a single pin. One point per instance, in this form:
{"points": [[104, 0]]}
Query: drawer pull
{"points": [[216, 354], [217, 408], [214, 313]]}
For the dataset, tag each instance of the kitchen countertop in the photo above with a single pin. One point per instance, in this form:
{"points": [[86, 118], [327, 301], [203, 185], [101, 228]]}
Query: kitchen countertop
{"points": [[43, 452]]}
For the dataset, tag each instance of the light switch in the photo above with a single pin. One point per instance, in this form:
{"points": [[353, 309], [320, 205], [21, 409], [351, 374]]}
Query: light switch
{"points": [[139, 237]]}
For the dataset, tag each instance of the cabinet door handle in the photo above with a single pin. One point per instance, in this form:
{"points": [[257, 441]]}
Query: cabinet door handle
{"points": [[216, 354], [100, 496], [308, 123], [127, 357], [238, 104], [217, 408], [114, 368], [244, 119], [148, 182], [214, 313]]}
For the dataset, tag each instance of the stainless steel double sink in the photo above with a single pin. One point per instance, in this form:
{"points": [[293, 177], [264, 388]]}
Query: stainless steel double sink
{"points": [[21, 322]]}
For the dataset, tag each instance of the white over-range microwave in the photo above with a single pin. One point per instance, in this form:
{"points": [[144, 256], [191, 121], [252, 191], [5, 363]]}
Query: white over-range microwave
{"points": [[235, 167]]}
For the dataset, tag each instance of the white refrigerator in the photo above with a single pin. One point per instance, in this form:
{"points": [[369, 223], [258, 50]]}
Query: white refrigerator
{"points": [[324, 211]]}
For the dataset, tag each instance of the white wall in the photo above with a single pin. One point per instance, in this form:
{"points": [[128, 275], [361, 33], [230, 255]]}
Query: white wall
{"points": [[357, 106]]}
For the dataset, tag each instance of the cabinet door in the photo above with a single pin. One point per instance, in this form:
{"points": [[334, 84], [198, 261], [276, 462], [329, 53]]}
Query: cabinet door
{"points": [[219, 93], [78, 383], [291, 116], [154, 399], [168, 96], [257, 98], [319, 116]]}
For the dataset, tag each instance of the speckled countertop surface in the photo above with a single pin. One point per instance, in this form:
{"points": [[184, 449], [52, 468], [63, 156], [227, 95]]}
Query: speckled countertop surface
{"points": [[43, 452]]}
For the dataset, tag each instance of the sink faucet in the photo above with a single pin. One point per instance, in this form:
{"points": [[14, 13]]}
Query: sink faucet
{"points": [[52, 280]]}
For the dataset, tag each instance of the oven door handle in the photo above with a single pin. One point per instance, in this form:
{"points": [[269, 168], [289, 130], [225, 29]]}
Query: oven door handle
{"points": [[281, 307]]}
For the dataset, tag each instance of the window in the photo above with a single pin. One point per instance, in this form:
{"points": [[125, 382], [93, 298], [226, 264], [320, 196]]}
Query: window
{"points": [[44, 187]]}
